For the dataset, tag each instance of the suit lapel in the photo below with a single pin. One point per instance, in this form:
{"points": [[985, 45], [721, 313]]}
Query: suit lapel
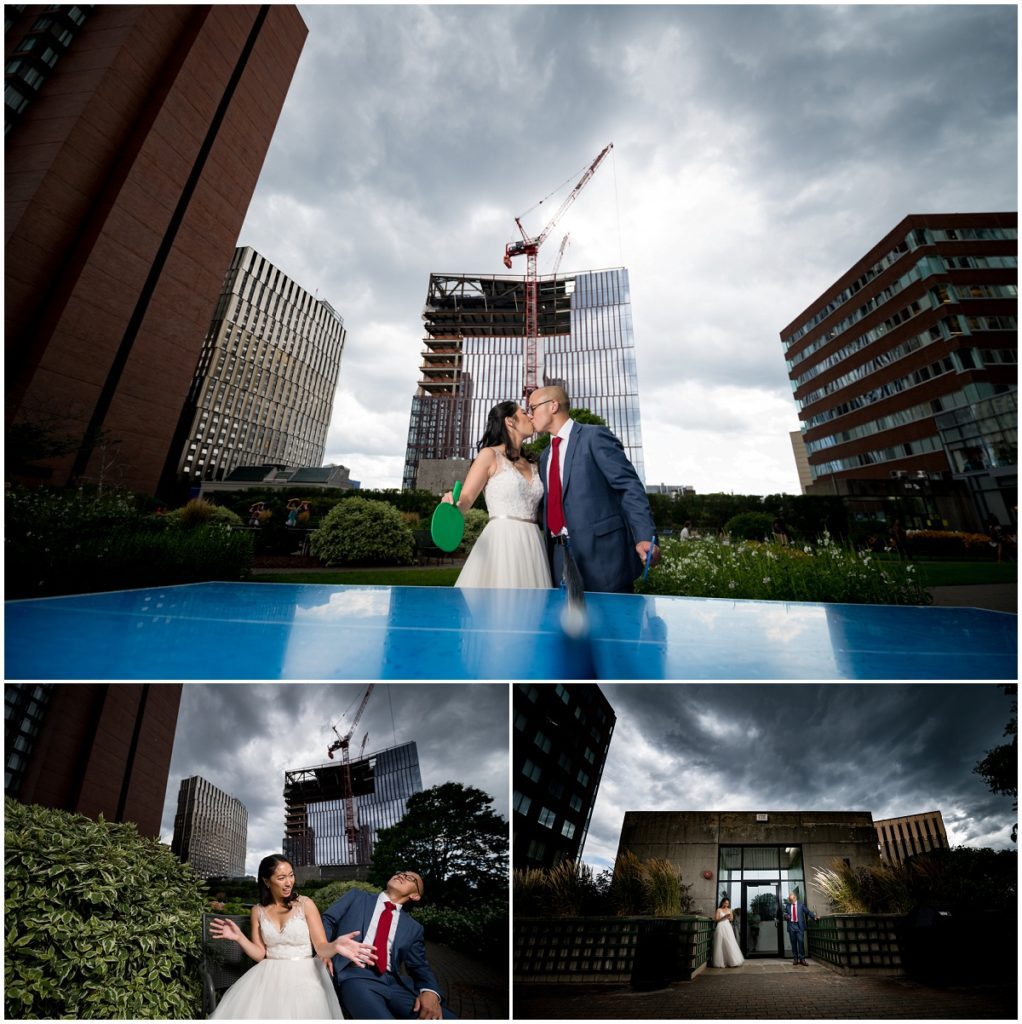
{"points": [[569, 456]]}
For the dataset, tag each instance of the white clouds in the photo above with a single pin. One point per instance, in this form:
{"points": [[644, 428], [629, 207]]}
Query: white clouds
{"points": [[759, 152]]}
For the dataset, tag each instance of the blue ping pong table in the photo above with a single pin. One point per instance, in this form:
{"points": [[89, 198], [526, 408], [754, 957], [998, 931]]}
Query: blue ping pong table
{"points": [[309, 631]]}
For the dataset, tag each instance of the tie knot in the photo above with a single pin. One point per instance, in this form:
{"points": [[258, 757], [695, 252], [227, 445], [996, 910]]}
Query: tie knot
{"points": [[556, 441], [388, 904]]}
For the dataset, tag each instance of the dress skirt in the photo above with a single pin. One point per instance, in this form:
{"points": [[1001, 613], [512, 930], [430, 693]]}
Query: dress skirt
{"points": [[282, 990], [508, 553]]}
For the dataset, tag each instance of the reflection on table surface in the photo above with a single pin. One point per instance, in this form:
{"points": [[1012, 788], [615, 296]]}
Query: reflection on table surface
{"points": [[311, 631]]}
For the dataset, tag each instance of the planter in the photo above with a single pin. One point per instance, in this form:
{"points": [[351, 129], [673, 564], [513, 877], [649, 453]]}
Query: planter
{"points": [[858, 944]]}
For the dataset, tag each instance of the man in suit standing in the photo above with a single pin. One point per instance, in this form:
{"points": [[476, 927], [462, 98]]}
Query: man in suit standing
{"points": [[797, 915], [378, 991], [594, 499]]}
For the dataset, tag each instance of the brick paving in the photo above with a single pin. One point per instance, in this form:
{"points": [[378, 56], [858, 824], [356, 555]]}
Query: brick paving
{"points": [[769, 990], [474, 990]]}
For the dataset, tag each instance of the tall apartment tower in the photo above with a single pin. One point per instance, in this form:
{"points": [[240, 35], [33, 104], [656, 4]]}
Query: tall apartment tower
{"points": [[91, 748], [316, 819], [264, 387], [905, 369], [135, 134], [562, 735], [210, 830], [473, 358], [901, 838]]}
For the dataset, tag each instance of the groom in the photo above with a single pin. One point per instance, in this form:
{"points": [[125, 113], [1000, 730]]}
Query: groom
{"points": [[592, 496], [797, 915], [379, 991]]}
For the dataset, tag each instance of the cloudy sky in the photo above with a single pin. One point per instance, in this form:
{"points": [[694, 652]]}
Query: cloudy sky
{"points": [[890, 750], [758, 153], [242, 738]]}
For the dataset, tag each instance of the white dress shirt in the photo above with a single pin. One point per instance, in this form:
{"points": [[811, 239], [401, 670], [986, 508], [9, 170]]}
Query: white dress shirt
{"points": [[371, 934]]}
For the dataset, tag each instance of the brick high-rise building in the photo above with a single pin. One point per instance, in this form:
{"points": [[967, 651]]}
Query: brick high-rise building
{"points": [[264, 387], [91, 748], [905, 372], [134, 138], [210, 829]]}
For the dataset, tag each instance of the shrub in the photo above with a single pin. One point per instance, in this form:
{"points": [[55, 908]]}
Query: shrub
{"points": [[480, 931], [950, 544], [199, 512], [475, 522], [100, 922], [359, 531], [333, 891], [772, 572], [750, 526]]}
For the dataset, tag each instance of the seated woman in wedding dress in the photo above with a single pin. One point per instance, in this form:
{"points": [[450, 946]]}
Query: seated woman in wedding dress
{"points": [[289, 981], [510, 551], [726, 951]]}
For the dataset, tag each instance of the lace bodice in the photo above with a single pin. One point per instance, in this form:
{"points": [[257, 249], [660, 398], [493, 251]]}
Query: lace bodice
{"points": [[509, 493], [290, 942]]}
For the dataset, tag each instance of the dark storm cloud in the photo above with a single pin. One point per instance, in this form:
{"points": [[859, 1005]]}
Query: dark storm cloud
{"points": [[243, 737], [759, 152], [887, 749]]}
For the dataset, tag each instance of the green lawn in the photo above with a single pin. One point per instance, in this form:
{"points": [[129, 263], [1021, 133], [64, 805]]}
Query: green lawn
{"points": [[416, 576], [955, 574]]}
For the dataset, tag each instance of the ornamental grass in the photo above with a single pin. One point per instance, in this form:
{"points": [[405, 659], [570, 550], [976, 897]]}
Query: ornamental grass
{"points": [[772, 572]]}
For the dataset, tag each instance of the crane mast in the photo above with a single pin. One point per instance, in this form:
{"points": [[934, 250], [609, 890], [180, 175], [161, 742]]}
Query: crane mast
{"points": [[347, 788], [529, 248]]}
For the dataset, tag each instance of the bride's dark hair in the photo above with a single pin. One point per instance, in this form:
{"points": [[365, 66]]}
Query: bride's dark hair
{"points": [[723, 900], [496, 432], [266, 868]]}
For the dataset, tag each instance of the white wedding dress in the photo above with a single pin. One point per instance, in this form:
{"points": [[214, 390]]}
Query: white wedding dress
{"points": [[510, 550], [291, 983], [726, 951]]}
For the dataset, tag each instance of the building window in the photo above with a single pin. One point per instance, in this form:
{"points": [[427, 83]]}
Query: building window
{"points": [[575, 803], [546, 817], [531, 771], [582, 777], [522, 803], [568, 830], [543, 742]]}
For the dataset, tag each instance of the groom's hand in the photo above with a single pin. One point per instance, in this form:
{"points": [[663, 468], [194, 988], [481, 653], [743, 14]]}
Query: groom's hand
{"points": [[642, 549], [427, 1006]]}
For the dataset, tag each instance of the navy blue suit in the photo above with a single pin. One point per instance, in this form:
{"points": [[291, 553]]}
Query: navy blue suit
{"points": [[363, 992], [605, 509], [797, 929]]}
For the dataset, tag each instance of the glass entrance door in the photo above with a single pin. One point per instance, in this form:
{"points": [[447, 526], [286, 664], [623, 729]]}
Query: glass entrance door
{"points": [[762, 919]]}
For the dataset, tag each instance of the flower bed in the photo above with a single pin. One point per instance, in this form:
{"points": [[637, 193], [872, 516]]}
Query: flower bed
{"points": [[772, 572]]}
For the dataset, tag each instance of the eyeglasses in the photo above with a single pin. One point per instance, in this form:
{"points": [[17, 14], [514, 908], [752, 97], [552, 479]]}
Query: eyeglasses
{"points": [[532, 408]]}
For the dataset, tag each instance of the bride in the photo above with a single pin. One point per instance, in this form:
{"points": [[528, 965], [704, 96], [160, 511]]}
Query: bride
{"points": [[510, 550], [289, 981], [726, 951]]}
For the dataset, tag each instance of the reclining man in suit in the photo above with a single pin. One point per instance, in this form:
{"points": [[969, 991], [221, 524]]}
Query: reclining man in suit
{"points": [[377, 990]]}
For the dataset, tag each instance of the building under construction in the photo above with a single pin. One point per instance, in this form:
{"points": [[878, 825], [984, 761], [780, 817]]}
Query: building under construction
{"points": [[474, 357], [326, 834]]}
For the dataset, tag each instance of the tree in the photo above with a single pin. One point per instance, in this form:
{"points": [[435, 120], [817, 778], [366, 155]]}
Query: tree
{"points": [[1000, 767], [450, 835], [581, 415]]}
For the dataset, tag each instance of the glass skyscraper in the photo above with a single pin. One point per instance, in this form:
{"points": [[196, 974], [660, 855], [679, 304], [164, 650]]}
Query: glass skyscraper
{"points": [[314, 800], [473, 357]]}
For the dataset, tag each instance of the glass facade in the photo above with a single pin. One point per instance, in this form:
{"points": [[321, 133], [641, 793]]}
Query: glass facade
{"points": [[24, 710], [264, 387], [314, 800], [473, 358]]}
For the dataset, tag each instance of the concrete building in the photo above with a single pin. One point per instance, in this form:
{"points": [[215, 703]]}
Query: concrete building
{"points": [[320, 837], [282, 478], [135, 134], [264, 385], [562, 733], [473, 357], [91, 748], [755, 858], [798, 449], [901, 838], [905, 373], [210, 830]]}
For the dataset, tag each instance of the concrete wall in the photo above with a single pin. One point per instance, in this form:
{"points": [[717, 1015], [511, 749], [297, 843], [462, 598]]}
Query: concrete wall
{"points": [[690, 841]]}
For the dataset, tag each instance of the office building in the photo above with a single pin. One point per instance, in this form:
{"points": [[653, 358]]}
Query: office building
{"points": [[331, 824], [210, 830], [473, 358], [562, 733], [264, 386], [135, 134], [904, 372], [91, 748], [755, 858], [901, 838]]}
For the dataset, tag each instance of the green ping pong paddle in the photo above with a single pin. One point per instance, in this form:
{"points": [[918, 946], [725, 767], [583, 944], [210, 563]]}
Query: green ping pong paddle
{"points": [[448, 524]]}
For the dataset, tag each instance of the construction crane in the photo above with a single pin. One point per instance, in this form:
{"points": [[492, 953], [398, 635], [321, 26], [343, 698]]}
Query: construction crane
{"points": [[529, 248], [347, 789], [560, 254]]}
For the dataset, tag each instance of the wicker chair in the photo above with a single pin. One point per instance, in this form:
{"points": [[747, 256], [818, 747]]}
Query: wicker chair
{"points": [[223, 961]]}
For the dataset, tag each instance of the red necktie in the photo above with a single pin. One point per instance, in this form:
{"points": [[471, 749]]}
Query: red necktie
{"points": [[794, 913], [382, 934], [554, 508]]}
